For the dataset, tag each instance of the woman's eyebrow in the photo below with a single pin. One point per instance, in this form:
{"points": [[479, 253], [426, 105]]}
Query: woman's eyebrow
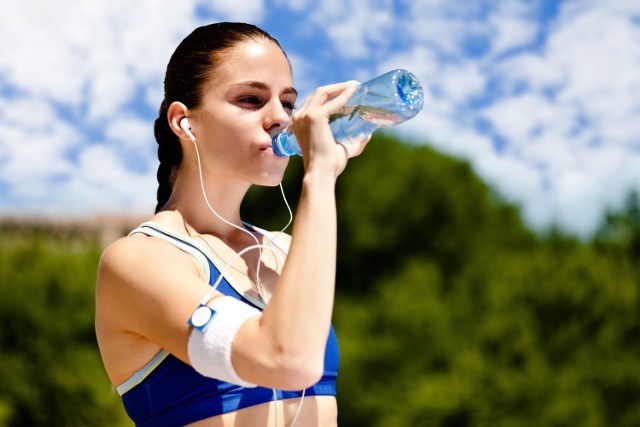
{"points": [[264, 86]]}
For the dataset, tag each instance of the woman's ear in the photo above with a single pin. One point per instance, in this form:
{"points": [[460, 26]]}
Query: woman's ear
{"points": [[176, 112]]}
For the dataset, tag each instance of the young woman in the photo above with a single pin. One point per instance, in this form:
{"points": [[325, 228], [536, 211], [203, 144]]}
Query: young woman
{"points": [[201, 318]]}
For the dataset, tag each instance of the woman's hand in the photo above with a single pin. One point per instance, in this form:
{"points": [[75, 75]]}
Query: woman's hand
{"points": [[311, 127]]}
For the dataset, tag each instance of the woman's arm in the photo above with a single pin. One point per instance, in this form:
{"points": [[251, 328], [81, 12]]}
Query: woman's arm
{"points": [[285, 347], [146, 290]]}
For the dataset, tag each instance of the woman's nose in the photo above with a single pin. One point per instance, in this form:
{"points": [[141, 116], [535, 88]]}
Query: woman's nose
{"points": [[277, 116]]}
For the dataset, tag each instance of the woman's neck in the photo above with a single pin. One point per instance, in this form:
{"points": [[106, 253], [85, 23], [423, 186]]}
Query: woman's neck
{"points": [[218, 214]]}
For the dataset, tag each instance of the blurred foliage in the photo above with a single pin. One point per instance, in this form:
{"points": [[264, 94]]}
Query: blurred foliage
{"points": [[451, 313], [50, 369], [449, 310]]}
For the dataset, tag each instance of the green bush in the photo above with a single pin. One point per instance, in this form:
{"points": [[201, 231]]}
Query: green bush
{"points": [[50, 367]]}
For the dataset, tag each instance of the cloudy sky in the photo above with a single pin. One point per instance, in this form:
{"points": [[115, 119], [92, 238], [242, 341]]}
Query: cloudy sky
{"points": [[541, 97]]}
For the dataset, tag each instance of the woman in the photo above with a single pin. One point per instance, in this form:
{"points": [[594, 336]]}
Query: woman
{"points": [[265, 353]]}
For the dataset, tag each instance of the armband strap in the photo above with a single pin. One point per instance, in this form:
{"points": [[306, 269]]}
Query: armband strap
{"points": [[214, 329]]}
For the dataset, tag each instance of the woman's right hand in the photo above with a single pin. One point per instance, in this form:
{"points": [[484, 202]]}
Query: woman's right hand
{"points": [[311, 127]]}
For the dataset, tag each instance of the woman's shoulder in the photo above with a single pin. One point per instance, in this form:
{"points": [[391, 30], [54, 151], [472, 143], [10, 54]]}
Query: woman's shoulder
{"points": [[131, 248], [138, 252], [139, 244]]}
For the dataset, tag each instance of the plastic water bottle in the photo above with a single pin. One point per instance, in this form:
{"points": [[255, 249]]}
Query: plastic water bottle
{"points": [[385, 101]]}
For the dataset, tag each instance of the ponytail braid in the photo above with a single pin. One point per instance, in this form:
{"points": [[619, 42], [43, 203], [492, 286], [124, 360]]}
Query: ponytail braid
{"points": [[169, 155]]}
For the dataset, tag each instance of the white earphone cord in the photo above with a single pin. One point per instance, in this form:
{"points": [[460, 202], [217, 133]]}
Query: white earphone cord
{"points": [[257, 246]]}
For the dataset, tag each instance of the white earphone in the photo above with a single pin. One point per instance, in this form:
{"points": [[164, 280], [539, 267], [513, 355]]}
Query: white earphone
{"points": [[186, 127]]}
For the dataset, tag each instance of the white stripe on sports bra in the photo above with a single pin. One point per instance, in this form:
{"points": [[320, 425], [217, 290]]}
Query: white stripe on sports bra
{"points": [[151, 229]]}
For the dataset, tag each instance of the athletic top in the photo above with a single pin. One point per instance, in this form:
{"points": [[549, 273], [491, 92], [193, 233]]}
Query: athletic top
{"points": [[169, 392]]}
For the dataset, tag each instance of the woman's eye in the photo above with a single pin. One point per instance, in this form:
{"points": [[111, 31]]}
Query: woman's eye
{"points": [[256, 102], [251, 100]]}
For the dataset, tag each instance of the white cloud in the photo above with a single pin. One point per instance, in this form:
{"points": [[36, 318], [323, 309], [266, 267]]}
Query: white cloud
{"points": [[357, 28], [583, 189], [599, 54], [444, 25], [110, 89], [73, 68], [566, 109], [33, 142], [591, 64], [512, 26], [244, 10], [296, 5], [101, 167], [530, 69], [525, 118], [461, 81], [129, 133], [70, 46], [302, 75]]}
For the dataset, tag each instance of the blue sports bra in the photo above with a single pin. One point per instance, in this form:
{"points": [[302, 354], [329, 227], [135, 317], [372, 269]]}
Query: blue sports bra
{"points": [[169, 392]]}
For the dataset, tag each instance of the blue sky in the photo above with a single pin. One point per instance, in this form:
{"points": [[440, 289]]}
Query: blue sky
{"points": [[541, 97]]}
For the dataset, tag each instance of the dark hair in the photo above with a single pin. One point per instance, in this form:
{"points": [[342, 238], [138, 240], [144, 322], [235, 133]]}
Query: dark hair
{"points": [[191, 66]]}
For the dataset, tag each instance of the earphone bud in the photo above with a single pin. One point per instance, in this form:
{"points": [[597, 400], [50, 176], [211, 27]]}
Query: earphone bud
{"points": [[186, 127]]}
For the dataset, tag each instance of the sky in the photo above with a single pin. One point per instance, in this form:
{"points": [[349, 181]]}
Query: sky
{"points": [[542, 98]]}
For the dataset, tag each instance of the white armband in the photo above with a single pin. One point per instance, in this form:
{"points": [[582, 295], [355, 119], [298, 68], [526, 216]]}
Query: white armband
{"points": [[214, 329]]}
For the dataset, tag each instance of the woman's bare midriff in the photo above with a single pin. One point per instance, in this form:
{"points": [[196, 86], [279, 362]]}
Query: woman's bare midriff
{"points": [[317, 411]]}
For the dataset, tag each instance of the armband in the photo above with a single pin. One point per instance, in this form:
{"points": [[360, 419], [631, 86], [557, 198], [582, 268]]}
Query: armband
{"points": [[214, 329]]}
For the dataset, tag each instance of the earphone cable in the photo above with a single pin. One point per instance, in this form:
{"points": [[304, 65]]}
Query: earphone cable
{"points": [[206, 199], [258, 246]]}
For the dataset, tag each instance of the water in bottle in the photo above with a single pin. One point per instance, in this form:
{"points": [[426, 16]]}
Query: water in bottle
{"points": [[385, 101]]}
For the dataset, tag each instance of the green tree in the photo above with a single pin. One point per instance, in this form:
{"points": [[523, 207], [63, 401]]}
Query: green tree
{"points": [[49, 364], [399, 201], [620, 230], [451, 313]]}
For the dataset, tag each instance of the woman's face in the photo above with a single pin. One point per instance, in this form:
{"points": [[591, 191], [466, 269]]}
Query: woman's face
{"points": [[248, 100]]}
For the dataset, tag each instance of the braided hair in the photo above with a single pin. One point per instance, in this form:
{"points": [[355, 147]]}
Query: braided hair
{"points": [[188, 71]]}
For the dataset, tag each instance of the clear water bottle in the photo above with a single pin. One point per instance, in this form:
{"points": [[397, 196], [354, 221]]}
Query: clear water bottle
{"points": [[385, 101]]}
